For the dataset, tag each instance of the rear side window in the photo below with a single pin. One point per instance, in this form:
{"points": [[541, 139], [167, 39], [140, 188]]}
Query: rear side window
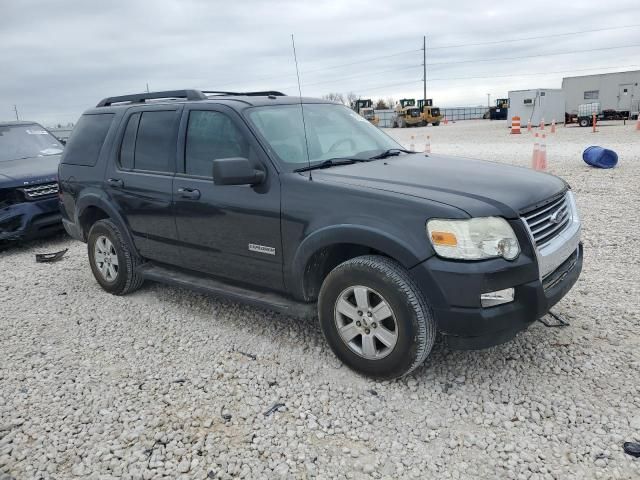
{"points": [[155, 141], [87, 139], [129, 142]]}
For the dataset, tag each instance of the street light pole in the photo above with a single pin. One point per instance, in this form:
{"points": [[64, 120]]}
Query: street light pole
{"points": [[15, 109]]}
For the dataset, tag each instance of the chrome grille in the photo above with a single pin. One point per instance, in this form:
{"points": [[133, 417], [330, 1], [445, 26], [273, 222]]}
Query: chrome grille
{"points": [[35, 192], [549, 220]]}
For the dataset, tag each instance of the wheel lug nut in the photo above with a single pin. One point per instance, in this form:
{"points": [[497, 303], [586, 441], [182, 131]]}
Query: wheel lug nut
{"points": [[367, 331], [368, 314], [358, 323], [374, 325], [359, 313]]}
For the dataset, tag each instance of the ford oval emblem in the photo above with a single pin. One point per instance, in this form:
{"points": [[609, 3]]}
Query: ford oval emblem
{"points": [[556, 217]]}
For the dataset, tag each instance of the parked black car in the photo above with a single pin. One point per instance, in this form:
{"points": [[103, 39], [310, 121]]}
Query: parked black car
{"points": [[233, 194], [29, 157]]}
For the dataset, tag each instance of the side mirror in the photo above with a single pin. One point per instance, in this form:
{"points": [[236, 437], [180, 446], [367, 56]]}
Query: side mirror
{"points": [[236, 171]]}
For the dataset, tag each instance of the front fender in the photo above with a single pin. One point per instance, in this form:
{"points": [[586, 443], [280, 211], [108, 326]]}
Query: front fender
{"points": [[392, 246]]}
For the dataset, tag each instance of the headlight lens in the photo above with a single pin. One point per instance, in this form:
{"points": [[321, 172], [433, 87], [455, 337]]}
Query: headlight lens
{"points": [[473, 239]]}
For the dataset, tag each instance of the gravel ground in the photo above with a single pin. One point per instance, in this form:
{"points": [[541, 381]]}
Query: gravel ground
{"points": [[166, 383]]}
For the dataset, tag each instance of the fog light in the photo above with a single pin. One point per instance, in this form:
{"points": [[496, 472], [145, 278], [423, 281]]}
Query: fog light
{"points": [[491, 299]]}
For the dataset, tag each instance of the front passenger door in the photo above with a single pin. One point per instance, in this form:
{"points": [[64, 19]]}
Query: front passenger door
{"points": [[222, 228]]}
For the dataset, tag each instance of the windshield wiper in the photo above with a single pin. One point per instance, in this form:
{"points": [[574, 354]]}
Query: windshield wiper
{"points": [[392, 152], [332, 162]]}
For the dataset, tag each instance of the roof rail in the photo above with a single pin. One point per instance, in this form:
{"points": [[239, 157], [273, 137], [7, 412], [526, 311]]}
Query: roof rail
{"points": [[248, 94], [143, 97]]}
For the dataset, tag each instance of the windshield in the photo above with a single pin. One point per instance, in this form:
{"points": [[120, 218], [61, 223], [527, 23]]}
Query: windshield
{"points": [[24, 141], [333, 131]]}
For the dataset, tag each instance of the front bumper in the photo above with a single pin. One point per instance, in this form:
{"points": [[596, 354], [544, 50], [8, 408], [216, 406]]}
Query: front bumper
{"points": [[454, 290], [29, 220]]}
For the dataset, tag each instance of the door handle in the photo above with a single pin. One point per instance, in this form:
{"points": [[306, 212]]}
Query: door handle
{"points": [[192, 193], [115, 182]]}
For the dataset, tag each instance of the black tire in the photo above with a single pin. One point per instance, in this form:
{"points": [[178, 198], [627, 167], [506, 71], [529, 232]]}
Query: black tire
{"points": [[435, 124], [126, 279], [416, 328], [585, 122]]}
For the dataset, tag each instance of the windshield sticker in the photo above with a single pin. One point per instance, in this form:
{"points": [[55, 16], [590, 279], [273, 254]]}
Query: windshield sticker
{"points": [[37, 132]]}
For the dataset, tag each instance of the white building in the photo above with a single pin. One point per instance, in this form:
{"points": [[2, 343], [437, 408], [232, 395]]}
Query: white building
{"points": [[535, 105], [617, 91]]}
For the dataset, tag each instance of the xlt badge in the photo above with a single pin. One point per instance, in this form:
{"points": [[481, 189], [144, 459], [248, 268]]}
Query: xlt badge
{"points": [[262, 249]]}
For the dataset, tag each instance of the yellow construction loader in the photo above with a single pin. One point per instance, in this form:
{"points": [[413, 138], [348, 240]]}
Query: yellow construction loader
{"points": [[365, 108], [430, 114], [407, 114]]}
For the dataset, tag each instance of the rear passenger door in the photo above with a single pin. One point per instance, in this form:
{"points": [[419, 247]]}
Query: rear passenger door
{"points": [[139, 179], [230, 231]]}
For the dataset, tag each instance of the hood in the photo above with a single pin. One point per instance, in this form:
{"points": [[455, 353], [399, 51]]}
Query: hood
{"points": [[29, 171], [479, 187]]}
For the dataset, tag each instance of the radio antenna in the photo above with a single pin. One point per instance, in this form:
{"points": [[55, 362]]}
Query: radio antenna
{"points": [[304, 125]]}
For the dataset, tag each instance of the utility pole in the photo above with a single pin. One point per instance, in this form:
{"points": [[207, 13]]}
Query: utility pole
{"points": [[147, 87], [424, 69], [488, 100], [15, 109]]}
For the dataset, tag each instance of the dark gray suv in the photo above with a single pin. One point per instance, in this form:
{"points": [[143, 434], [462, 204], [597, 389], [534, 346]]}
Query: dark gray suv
{"points": [[303, 206]]}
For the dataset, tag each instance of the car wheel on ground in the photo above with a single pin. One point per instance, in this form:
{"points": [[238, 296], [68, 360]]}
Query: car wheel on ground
{"points": [[435, 124], [584, 122], [112, 262], [375, 318]]}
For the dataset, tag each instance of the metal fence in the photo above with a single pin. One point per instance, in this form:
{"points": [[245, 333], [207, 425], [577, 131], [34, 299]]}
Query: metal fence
{"points": [[451, 114], [463, 113]]}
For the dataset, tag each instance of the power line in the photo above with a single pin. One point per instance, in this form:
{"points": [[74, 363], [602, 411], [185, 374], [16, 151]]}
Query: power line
{"points": [[362, 61], [531, 74], [495, 42], [533, 56], [358, 75], [303, 72]]}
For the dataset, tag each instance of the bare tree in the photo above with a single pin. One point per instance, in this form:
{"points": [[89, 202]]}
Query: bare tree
{"points": [[380, 105], [334, 97], [352, 97], [391, 102]]}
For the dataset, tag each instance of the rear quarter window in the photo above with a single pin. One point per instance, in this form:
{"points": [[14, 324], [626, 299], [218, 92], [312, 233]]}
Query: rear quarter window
{"points": [[87, 138]]}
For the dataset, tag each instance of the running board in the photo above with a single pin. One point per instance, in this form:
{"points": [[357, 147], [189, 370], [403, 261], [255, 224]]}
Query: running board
{"points": [[208, 285]]}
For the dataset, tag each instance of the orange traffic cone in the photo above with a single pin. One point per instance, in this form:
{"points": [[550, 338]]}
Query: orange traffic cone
{"points": [[446, 122], [529, 125], [427, 146], [542, 155], [638, 123], [536, 154], [553, 126], [515, 125], [542, 124], [412, 145]]}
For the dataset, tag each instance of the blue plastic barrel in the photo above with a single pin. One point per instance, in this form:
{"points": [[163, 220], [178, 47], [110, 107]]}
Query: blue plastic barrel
{"points": [[600, 157]]}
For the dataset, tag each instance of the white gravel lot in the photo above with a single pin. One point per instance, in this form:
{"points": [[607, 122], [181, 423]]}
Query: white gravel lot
{"points": [[166, 383]]}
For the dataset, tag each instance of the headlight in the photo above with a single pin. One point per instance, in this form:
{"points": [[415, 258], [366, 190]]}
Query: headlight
{"points": [[473, 239]]}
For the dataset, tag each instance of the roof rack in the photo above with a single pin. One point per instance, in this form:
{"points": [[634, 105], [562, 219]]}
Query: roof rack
{"points": [[180, 94], [143, 97], [264, 93]]}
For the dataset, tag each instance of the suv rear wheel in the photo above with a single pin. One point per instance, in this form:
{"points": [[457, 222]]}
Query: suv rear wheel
{"points": [[375, 318], [112, 262]]}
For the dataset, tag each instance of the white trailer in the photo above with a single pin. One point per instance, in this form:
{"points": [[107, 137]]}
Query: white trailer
{"points": [[618, 93], [536, 105]]}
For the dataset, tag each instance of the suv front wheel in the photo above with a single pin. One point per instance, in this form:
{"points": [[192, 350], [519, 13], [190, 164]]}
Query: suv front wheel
{"points": [[112, 262], [375, 318]]}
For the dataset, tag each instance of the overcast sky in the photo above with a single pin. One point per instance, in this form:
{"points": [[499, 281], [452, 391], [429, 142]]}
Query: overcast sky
{"points": [[59, 58]]}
